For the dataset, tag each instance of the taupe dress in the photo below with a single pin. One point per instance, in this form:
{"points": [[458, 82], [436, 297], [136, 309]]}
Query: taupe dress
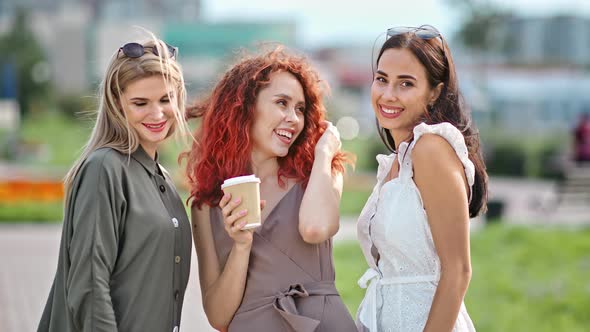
{"points": [[290, 283]]}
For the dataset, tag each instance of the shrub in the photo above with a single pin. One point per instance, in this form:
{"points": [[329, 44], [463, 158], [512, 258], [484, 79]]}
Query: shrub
{"points": [[506, 159]]}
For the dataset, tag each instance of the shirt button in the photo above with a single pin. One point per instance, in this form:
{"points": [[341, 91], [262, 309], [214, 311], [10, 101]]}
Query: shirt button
{"points": [[177, 259], [176, 294], [175, 222], [162, 188]]}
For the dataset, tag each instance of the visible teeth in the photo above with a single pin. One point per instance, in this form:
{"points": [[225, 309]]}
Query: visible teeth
{"points": [[284, 133], [154, 126], [388, 111]]}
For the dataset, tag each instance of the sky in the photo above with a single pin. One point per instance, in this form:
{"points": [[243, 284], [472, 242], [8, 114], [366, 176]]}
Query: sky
{"points": [[361, 21]]}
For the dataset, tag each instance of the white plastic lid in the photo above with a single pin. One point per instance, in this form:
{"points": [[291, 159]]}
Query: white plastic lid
{"points": [[239, 180]]}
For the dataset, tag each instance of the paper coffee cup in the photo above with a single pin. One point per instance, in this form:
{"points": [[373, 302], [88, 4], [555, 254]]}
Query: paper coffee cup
{"points": [[248, 188]]}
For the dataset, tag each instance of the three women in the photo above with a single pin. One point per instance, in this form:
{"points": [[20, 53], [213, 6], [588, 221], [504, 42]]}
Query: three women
{"points": [[266, 117]]}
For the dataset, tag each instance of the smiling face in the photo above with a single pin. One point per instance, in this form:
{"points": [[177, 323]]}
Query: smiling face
{"points": [[278, 116], [401, 92], [149, 111]]}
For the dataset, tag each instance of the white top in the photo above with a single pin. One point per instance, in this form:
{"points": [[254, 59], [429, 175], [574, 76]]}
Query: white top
{"points": [[403, 284]]}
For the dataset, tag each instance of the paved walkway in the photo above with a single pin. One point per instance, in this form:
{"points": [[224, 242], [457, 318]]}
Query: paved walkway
{"points": [[535, 203], [28, 259]]}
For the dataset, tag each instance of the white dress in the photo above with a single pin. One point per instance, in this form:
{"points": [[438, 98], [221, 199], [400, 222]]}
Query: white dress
{"points": [[402, 285]]}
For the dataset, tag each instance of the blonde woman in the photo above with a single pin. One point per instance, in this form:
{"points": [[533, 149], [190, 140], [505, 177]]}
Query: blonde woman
{"points": [[125, 250]]}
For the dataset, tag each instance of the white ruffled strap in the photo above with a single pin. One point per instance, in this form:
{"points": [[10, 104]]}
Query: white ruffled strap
{"points": [[368, 309], [456, 140]]}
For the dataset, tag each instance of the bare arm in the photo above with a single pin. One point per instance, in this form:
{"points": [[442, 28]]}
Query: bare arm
{"points": [[222, 287], [440, 177], [319, 216]]}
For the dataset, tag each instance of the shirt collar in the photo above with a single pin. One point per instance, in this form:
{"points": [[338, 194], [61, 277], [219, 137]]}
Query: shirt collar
{"points": [[145, 160]]}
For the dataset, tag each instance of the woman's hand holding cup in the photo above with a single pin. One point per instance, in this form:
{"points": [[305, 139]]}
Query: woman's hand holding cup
{"points": [[234, 220]]}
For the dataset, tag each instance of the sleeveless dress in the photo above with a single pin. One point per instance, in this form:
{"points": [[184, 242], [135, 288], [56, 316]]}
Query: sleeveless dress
{"points": [[290, 283], [394, 224]]}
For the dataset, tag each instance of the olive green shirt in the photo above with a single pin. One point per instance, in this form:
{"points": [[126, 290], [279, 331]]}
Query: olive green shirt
{"points": [[124, 257]]}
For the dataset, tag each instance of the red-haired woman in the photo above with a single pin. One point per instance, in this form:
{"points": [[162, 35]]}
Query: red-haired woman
{"points": [[266, 117]]}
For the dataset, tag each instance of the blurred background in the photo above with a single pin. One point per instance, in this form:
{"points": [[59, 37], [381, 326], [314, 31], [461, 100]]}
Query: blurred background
{"points": [[524, 70]]}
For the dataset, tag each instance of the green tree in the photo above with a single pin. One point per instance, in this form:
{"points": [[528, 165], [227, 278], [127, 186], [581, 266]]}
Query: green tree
{"points": [[481, 17], [20, 48]]}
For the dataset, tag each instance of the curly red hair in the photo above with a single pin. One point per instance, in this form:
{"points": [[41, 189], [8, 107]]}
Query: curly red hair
{"points": [[223, 144]]}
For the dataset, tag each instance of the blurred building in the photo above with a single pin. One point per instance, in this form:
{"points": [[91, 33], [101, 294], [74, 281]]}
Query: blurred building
{"points": [[80, 36], [521, 100], [537, 74], [9, 7], [554, 40], [175, 10], [535, 79], [110, 9], [347, 70], [204, 48]]}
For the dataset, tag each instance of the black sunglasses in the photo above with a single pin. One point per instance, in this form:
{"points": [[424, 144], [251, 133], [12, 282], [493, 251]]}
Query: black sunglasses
{"points": [[136, 50]]}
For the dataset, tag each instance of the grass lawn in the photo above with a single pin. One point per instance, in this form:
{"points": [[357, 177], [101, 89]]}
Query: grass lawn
{"points": [[31, 211], [353, 201], [61, 138], [365, 150], [524, 279]]}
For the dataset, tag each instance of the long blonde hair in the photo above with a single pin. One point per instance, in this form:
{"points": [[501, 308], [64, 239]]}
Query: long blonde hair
{"points": [[112, 128]]}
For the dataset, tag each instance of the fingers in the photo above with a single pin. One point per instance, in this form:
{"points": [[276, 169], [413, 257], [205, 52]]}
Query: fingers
{"points": [[224, 200], [232, 218], [329, 143], [333, 131], [235, 222], [229, 206], [331, 128]]}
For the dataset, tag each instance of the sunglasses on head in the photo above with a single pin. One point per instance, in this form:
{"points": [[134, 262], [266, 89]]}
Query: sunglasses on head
{"points": [[425, 32], [136, 50]]}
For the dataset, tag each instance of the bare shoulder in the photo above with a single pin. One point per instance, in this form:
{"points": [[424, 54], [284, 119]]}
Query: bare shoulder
{"points": [[434, 150], [437, 167]]}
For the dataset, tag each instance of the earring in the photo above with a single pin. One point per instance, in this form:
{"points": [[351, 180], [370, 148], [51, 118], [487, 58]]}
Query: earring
{"points": [[430, 108]]}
